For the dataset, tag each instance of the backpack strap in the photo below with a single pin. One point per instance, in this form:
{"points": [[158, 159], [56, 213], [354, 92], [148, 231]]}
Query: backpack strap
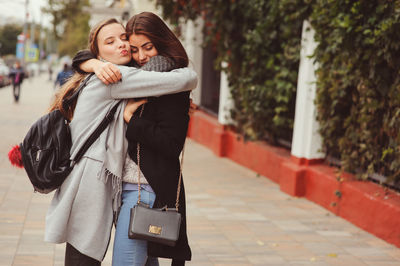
{"points": [[95, 134], [67, 101]]}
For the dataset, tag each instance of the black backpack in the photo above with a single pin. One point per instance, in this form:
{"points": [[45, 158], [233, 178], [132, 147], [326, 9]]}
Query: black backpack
{"points": [[45, 150]]}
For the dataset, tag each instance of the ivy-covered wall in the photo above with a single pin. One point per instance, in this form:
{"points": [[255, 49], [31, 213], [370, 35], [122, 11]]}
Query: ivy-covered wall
{"points": [[358, 80], [260, 41], [358, 94]]}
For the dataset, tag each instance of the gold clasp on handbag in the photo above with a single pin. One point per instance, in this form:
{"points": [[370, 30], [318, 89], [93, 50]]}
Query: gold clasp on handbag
{"points": [[155, 229]]}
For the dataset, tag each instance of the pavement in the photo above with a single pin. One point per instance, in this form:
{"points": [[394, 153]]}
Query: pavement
{"points": [[235, 217]]}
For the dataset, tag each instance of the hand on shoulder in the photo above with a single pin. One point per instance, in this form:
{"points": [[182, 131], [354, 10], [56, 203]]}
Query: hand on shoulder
{"points": [[107, 72]]}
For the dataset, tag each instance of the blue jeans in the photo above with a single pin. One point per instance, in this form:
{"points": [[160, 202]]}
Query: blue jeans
{"points": [[131, 251]]}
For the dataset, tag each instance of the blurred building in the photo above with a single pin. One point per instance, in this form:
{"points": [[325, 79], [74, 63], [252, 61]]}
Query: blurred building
{"points": [[119, 9]]}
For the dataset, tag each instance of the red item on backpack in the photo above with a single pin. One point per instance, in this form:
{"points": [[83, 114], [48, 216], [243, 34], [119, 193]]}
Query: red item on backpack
{"points": [[14, 155]]}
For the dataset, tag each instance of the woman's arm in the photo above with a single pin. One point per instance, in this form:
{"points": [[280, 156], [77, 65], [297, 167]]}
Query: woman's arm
{"points": [[137, 83], [85, 62], [166, 135], [81, 57]]}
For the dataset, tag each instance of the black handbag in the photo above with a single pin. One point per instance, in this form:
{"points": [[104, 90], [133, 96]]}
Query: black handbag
{"points": [[45, 150], [156, 225]]}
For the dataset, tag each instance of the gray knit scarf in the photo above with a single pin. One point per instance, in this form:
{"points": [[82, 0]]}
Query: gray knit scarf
{"points": [[117, 144]]}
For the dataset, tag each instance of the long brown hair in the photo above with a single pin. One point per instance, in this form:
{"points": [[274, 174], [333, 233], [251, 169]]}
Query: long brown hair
{"points": [[165, 41], [73, 83]]}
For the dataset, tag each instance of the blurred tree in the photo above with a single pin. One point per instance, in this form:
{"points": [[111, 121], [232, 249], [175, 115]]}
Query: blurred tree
{"points": [[70, 24], [8, 38]]}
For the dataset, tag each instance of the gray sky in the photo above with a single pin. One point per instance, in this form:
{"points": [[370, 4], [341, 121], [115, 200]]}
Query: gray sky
{"points": [[10, 9]]}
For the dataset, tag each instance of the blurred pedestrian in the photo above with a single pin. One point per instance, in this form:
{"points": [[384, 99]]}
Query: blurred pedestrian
{"points": [[17, 75], [50, 72], [63, 75]]}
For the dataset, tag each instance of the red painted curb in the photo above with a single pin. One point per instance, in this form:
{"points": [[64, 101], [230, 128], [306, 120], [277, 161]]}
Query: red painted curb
{"points": [[365, 204]]}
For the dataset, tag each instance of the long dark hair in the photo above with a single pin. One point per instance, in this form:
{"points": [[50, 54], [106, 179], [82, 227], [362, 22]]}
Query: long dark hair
{"points": [[165, 41], [73, 83]]}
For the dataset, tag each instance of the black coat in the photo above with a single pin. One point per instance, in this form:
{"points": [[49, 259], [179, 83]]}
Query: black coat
{"points": [[161, 132]]}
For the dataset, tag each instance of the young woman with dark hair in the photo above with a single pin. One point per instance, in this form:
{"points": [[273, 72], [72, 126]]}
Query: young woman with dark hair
{"points": [[82, 210], [161, 132]]}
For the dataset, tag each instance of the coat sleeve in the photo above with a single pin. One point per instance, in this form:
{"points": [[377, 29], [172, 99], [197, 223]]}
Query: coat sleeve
{"points": [[166, 135], [81, 57], [137, 83]]}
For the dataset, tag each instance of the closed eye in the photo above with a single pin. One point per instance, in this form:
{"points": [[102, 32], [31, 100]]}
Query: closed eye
{"points": [[148, 47]]}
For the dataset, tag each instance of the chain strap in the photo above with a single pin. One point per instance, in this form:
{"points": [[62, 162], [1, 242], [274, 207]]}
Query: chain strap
{"points": [[180, 170], [180, 178], [138, 158]]}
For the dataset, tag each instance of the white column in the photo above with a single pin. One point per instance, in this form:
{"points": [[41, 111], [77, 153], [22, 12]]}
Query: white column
{"points": [[306, 142], [225, 100], [193, 39]]}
